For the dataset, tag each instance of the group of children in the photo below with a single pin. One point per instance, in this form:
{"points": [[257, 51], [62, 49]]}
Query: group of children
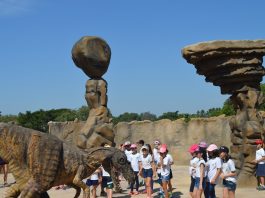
{"points": [[150, 164], [209, 163], [147, 163]]}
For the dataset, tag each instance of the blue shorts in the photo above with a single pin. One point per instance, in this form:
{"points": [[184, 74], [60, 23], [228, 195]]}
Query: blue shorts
{"points": [[165, 178], [260, 172], [147, 173], [197, 183], [107, 182], [90, 182], [159, 180], [229, 185]]}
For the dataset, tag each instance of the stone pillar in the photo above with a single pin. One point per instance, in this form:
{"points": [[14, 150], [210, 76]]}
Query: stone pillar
{"points": [[92, 55], [236, 67]]}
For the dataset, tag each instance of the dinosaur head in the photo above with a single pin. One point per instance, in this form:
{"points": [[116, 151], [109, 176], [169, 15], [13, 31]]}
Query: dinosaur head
{"points": [[116, 160]]}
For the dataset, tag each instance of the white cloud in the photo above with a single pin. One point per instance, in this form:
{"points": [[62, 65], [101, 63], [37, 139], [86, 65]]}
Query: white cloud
{"points": [[14, 7]]}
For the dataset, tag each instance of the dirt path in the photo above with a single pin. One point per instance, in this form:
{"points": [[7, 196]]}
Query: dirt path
{"points": [[180, 183]]}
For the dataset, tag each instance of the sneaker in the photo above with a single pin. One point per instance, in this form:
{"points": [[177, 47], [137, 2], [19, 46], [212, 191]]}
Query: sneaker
{"points": [[261, 187], [131, 193], [136, 193]]}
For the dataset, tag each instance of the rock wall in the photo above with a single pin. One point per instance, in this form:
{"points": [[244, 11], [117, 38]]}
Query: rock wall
{"points": [[178, 135]]}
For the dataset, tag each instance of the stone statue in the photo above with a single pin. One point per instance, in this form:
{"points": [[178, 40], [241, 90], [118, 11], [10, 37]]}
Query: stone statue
{"points": [[39, 161], [92, 55], [236, 66]]}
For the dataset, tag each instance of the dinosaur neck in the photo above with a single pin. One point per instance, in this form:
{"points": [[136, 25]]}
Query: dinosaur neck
{"points": [[95, 157]]}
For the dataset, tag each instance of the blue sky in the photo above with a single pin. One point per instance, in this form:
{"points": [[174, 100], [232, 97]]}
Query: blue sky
{"points": [[146, 72]]}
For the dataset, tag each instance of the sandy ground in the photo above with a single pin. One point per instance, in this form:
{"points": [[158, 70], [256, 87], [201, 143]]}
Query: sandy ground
{"points": [[181, 183]]}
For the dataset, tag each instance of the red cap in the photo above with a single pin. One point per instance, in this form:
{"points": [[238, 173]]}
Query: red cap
{"points": [[259, 141], [193, 148]]}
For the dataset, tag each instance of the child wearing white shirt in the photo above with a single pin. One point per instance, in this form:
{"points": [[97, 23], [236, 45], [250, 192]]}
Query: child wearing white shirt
{"points": [[260, 161], [214, 165], [134, 159], [228, 173]]}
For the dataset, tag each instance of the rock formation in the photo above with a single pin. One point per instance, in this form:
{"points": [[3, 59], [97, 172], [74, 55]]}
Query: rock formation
{"points": [[236, 66], [92, 55]]}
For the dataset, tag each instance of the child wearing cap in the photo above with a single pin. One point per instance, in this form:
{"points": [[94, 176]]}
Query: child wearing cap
{"points": [[93, 181], [260, 161], [192, 169], [134, 158], [147, 169], [228, 173], [214, 165], [165, 163], [107, 182], [200, 174]]}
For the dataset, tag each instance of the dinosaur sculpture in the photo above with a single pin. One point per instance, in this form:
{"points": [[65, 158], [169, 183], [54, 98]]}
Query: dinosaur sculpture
{"points": [[40, 161]]}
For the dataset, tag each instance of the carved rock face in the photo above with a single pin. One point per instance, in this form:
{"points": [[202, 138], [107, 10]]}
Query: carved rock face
{"points": [[228, 64], [92, 55]]}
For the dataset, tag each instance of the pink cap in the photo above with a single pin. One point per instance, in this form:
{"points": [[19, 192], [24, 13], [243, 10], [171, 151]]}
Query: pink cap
{"points": [[133, 146], [193, 148], [162, 150], [212, 147], [164, 146], [203, 144]]}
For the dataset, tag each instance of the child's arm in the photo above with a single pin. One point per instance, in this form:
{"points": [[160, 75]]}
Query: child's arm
{"points": [[140, 168], [218, 172], [154, 168], [99, 171], [201, 175], [223, 176]]}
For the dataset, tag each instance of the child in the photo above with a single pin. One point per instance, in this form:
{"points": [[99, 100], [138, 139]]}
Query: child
{"points": [[4, 166], [147, 169], [228, 173], [165, 162], [93, 181], [134, 158], [192, 168], [260, 161], [200, 174], [214, 165], [107, 182]]}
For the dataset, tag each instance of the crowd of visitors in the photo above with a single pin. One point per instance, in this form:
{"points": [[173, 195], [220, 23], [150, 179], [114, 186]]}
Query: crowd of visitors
{"points": [[210, 163]]}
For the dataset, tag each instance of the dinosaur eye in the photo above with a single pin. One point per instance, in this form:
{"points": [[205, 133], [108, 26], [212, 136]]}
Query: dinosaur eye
{"points": [[122, 161]]}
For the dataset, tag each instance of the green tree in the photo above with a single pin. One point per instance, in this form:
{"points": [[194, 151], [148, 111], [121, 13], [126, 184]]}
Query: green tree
{"points": [[148, 116], [126, 117], [214, 112], [228, 108], [170, 115]]}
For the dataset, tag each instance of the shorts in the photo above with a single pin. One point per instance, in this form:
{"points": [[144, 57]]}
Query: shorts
{"points": [[260, 172], [197, 183], [170, 174], [165, 178], [90, 182], [147, 173], [107, 182], [159, 180], [192, 183], [2, 162], [229, 185]]}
